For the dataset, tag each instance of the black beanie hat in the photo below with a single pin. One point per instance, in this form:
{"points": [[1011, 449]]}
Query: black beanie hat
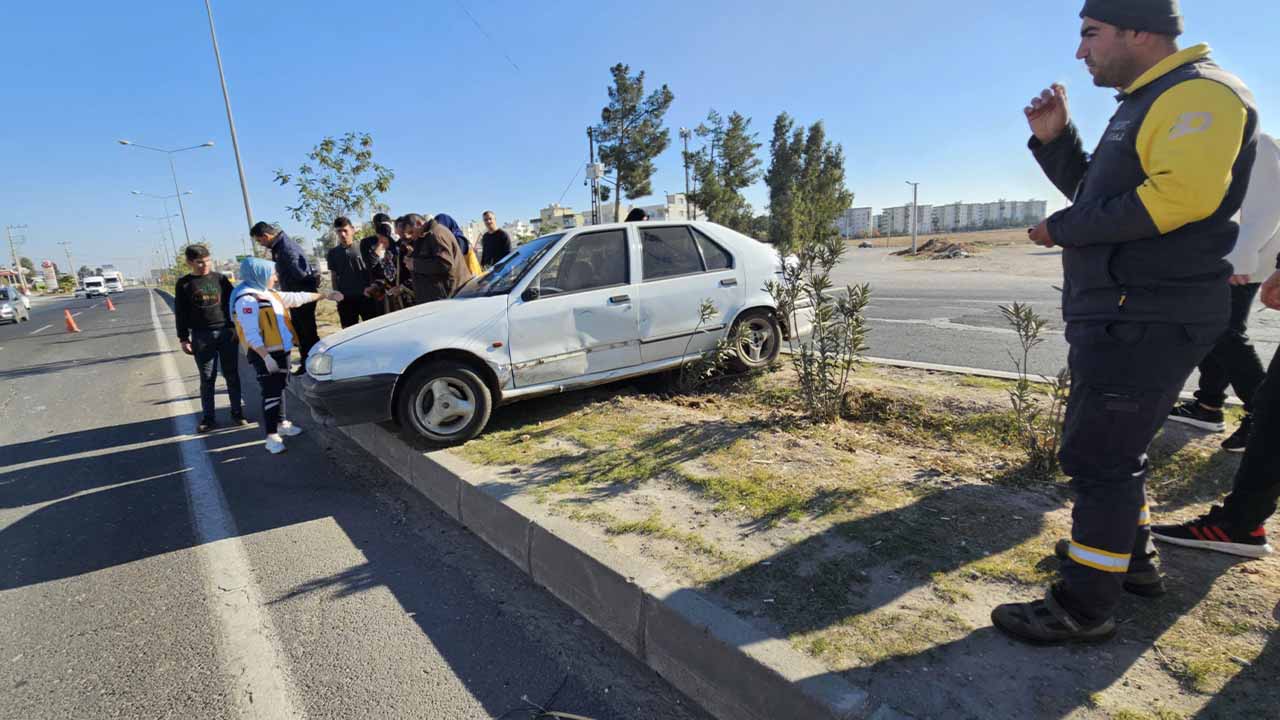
{"points": [[1156, 16]]}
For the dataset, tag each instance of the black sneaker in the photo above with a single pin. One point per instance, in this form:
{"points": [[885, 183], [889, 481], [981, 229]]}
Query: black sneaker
{"points": [[1198, 416], [238, 421], [206, 426], [1239, 440], [1208, 533]]}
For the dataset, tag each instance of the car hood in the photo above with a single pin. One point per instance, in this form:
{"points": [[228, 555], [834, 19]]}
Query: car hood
{"points": [[456, 311]]}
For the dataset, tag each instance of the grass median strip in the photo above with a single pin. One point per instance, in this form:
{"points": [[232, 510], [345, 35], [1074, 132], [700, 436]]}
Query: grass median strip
{"points": [[879, 543]]}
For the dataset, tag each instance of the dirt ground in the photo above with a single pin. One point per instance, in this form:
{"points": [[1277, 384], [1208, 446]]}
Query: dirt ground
{"points": [[880, 543]]}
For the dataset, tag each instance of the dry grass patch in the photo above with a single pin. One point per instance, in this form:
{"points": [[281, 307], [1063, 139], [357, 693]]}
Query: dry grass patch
{"points": [[879, 543]]}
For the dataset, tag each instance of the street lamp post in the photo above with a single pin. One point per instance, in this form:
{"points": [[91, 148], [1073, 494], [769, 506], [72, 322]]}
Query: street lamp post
{"points": [[915, 211], [165, 199], [173, 171], [168, 218], [226, 99]]}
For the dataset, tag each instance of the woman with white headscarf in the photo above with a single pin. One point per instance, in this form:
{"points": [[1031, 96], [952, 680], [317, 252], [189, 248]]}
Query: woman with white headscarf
{"points": [[266, 331]]}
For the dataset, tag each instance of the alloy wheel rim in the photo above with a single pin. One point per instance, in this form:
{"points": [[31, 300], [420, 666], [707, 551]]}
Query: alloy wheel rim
{"points": [[447, 405]]}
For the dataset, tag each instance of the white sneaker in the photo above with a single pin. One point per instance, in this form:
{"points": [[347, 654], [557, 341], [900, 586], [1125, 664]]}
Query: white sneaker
{"points": [[275, 444], [288, 429]]}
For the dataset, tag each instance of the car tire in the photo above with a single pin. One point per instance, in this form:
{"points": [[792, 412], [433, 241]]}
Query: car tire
{"points": [[452, 420], [761, 341]]}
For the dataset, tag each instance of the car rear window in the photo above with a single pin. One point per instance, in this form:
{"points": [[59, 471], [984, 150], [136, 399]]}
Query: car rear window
{"points": [[669, 252]]}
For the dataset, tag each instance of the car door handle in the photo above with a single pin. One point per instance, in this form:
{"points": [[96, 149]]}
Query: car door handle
{"points": [[729, 282], [619, 299]]}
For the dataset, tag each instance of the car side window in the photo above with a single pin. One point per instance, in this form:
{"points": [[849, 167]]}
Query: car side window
{"points": [[587, 262], [669, 252], [715, 257]]}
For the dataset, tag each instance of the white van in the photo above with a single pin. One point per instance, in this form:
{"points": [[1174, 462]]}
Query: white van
{"points": [[114, 281], [95, 286]]}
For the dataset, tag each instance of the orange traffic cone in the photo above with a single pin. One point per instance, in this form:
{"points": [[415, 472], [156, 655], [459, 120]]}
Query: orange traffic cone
{"points": [[71, 322], [110, 305]]}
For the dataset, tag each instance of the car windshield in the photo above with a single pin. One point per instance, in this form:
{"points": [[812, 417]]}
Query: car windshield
{"points": [[509, 270]]}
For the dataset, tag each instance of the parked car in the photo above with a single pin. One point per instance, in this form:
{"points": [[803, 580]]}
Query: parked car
{"points": [[565, 311], [14, 307]]}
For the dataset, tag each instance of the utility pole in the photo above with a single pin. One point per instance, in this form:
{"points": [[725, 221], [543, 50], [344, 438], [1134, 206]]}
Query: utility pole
{"points": [[595, 182], [66, 249], [13, 250], [688, 205], [915, 211]]}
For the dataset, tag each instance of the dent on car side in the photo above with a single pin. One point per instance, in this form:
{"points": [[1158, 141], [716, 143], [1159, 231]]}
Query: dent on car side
{"points": [[392, 347]]}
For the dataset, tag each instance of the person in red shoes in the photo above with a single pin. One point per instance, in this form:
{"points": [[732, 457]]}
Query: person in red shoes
{"points": [[1235, 527]]}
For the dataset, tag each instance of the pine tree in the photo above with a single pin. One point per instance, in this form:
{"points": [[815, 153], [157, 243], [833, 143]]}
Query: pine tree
{"points": [[806, 179], [726, 166], [631, 134]]}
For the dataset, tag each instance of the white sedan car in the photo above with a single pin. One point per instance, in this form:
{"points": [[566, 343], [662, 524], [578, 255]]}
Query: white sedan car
{"points": [[566, 311]]}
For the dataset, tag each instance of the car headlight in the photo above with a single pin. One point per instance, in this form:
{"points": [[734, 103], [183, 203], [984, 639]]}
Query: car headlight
{"points": [[320, 364]]}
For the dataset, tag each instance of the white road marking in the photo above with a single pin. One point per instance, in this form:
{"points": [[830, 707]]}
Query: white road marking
{"points": [[253, 664], [46, 327], [77, 314]]}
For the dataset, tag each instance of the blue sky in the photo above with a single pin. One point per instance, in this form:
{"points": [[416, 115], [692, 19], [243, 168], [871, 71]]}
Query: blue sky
{"points": [[927, 90]]}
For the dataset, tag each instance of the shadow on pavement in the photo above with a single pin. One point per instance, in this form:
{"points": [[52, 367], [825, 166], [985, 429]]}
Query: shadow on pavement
{"points": [[103, 498]]}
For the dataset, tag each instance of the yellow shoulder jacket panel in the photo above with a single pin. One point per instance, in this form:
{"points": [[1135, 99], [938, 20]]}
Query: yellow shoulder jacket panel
{"points": [[1188, 144]]}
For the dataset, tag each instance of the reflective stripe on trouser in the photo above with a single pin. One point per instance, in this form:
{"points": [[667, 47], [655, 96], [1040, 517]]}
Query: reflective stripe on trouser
{"points": [[272, 387], [1126, 378]]}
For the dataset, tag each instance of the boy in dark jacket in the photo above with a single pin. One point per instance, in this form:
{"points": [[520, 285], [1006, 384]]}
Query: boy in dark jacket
{"points": [[202, 312]]}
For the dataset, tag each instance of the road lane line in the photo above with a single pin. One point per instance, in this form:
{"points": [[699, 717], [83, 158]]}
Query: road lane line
{"points": [[77, 314], [252, 661], [46, 327]]}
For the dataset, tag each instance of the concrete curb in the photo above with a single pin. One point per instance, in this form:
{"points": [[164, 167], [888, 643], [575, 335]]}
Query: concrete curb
{"points": [[730, 668]]}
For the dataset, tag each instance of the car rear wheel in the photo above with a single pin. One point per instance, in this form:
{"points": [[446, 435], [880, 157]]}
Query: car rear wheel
{"points": [[758, 340], [445, 403]]}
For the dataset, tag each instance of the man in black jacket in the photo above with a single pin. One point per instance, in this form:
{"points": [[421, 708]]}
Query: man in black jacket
{"points": [[293, 274], [496, 243], [201, 310], [1145, 292]]}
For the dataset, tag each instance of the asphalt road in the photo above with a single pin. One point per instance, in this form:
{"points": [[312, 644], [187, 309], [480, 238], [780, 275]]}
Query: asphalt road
{"points": [[149, 572], [953, 318]]}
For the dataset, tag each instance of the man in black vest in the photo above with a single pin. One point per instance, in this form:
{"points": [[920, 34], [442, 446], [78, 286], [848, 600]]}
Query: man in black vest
{"points": [[1145, 293]]}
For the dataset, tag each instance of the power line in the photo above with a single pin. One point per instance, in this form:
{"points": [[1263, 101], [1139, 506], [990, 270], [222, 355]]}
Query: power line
{"points": [[489, 37], [566, 187]]}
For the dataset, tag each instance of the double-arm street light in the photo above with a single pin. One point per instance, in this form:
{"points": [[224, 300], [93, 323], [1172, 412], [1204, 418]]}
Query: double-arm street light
{"points": [[173, 170], [165, 199], [168, 219]]}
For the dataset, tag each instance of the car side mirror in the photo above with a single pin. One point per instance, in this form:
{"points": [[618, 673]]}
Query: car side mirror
{"points": [[530, 294]]}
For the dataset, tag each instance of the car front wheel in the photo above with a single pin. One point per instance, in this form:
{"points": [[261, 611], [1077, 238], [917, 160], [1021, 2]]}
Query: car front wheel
{"points": [[757, 340], [445, 403]]}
